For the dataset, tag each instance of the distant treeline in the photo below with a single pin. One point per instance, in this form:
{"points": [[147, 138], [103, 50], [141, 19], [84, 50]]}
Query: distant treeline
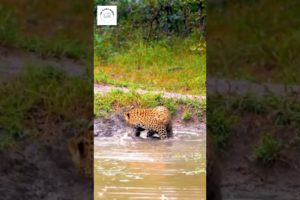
{"points": [[159, 18]]}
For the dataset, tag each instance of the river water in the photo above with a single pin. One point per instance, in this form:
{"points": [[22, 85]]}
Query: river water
{"points": [[127, 168]]}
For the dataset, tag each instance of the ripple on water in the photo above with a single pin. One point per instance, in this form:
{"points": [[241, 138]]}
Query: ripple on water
{"points": [[127, 168]]}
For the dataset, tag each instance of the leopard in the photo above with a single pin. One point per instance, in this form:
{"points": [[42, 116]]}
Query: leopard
{"points": [[154, 120], [81, 149]]}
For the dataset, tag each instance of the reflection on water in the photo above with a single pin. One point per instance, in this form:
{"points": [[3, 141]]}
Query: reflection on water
{"points": [[150, 169]]}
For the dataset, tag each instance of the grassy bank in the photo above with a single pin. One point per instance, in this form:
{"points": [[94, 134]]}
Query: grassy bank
{"points": [[116, 99], [37, 98], [176, 65]]}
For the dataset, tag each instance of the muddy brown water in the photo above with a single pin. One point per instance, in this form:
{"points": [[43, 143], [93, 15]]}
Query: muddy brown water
{"points": [[137, 168]]}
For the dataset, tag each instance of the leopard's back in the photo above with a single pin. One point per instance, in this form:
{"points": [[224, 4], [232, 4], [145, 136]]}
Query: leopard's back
{"points": [[153, 119]]}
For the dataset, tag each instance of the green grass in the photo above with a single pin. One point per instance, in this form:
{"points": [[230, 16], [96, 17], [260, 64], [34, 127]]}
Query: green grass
{"points": [[251, 40], [250, 104], [283, 111], [101, 77], [58, 46], [186, 116], [175, 65], [220, 124], [41, 90], [116, 99], [268, 150]]}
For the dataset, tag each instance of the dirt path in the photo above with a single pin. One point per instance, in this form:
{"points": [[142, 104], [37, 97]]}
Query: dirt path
{"points": [[218, 85], [101, 88], [13, 61], [226, 86]]}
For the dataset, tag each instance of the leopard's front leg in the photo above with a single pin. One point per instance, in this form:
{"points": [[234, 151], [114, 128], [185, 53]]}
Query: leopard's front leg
{"points": [[162, 132], [150, 133], [138, 130]]}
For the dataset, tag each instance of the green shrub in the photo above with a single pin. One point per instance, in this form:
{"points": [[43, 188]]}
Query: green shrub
{"points": [[186, 116], [268, 150], [219, 123]]}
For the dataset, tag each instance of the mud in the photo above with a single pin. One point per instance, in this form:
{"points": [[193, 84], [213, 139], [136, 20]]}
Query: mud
{"points": [[111, 126], [114, 125]]}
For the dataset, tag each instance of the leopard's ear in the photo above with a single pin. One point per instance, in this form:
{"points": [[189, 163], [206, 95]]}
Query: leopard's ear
{"points": [[127, 108], [131, 107]]}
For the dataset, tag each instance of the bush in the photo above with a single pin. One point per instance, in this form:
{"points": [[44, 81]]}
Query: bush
{"points": [[186, 116], [268, 150]]}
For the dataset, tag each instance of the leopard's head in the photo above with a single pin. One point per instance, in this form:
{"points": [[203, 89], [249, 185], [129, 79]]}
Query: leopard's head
{"points": [[127, 113]]}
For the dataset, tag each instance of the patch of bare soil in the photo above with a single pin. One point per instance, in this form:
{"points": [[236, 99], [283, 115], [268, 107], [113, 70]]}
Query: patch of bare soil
{"points": [[243, 177]]}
